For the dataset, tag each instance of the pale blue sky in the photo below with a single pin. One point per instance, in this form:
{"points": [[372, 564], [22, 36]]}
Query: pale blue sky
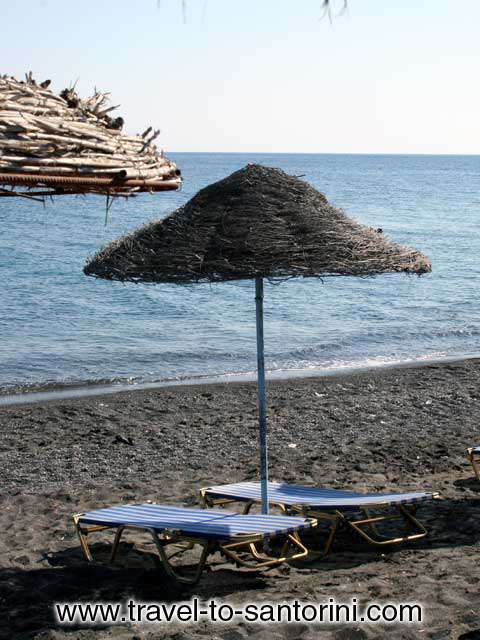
{"points": [[390, 76]]}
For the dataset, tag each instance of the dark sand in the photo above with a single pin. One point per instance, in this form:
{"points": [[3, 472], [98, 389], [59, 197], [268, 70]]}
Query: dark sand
{"points": [[402, 429]]}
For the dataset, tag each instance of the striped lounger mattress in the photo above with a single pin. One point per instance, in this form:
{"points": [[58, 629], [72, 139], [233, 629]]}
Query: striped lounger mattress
{"points": [[213, 530], [341, 508]]}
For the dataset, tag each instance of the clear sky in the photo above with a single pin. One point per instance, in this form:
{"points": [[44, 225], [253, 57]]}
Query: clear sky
{"points": [[390, 76]]}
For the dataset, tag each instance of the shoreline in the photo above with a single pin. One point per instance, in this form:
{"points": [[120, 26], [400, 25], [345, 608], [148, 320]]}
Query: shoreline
{"points": [[49, 392]]}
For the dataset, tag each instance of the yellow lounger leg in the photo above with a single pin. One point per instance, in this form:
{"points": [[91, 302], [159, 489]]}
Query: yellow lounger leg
{"points": [[371, 522], [208, 548], [82, 536], [474, 462], [232, 549], [116, 542]]}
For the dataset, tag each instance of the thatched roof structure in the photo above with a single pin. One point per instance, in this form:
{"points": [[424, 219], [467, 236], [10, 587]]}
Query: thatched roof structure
{"points": [[256, 222], [61, 144]]}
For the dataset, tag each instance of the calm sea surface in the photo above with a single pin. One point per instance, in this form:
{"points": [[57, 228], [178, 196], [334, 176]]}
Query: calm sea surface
{"points": [[58, 326]]}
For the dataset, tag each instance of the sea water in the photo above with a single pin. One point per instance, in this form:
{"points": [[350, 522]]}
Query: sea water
{"points": [[58, 326]]}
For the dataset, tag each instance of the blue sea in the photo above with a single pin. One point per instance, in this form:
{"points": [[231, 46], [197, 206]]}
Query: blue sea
{"points": [[58, 326]]}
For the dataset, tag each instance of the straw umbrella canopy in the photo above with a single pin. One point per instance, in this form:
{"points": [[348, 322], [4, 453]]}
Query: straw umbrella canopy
{"points": [[257, 223], [60, 144]]}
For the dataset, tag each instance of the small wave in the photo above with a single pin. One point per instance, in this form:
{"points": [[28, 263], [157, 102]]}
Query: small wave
{"points": [[97, 388]]}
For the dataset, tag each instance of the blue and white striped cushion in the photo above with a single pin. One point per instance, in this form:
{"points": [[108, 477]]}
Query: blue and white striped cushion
{"points": [[203, 523], [316, 498]]}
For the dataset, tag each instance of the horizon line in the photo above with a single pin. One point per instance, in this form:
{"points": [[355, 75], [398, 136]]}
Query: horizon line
{"points": [[329, 153]]}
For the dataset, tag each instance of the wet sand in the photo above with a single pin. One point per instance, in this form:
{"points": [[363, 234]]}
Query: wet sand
{"points": [[397, 429]]}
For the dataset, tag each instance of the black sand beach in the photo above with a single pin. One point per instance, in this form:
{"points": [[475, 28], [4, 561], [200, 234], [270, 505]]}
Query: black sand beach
{"points": [[399, 429]]}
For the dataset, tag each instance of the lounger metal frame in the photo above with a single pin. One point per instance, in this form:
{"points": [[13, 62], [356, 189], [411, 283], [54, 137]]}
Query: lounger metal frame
{"points": [[231, 549], [474, 457], [365, 526]]}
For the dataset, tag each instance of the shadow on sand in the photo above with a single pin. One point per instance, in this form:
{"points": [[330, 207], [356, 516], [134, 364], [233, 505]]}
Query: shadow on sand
{"points": [[27, 596]]}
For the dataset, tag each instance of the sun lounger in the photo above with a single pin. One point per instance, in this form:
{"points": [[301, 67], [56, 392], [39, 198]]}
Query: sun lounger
{"points": [[213, 530], [363, 513], [474, 457]]}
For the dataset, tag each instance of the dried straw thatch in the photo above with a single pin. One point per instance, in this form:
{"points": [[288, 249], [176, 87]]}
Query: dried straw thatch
{"points": [[257, 222], [63, 144]]}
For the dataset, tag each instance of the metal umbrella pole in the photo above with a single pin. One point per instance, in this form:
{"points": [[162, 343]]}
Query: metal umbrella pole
{"points": [[262, 419]]}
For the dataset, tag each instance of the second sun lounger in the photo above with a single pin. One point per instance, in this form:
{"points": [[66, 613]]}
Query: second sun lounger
{"points": [[361, 512], [230, 533], [474, 457]]}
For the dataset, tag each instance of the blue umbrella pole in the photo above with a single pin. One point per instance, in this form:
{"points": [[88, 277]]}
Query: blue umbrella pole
{"points": [[262, 419]]}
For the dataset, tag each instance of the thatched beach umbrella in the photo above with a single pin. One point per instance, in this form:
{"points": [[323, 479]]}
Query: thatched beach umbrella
{"points": [[60, 144], [257, 223]]}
